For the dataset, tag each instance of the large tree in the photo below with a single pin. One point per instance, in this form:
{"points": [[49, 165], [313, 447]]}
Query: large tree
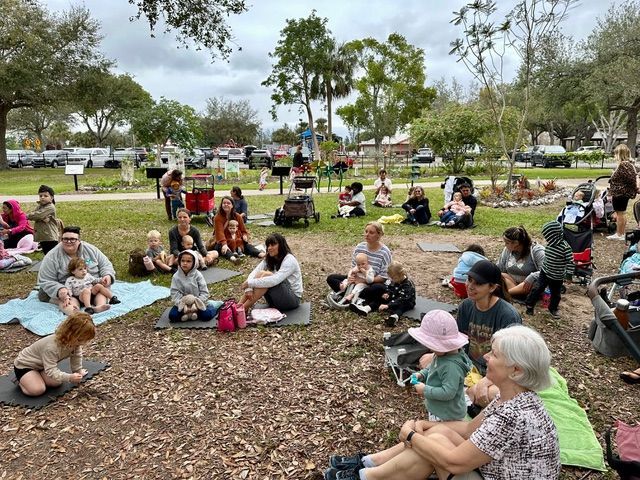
{"points": [[614, 48], [41, 55], [224, 120], [104, 101], [284, 135], [167, 120], [487, 42], [36, 121], [302, 55], [203, 22], [336, 79], [391, 90]]}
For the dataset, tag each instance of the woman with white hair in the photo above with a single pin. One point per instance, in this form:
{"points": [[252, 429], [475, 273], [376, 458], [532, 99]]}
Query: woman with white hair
{"points": [[513, 437]]}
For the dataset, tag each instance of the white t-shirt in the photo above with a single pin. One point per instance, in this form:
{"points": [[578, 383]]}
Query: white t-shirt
{"points": [[359, 197], [378, 183]]}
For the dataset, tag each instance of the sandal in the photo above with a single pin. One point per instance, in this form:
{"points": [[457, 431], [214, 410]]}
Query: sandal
{"points": [[631, 378]]}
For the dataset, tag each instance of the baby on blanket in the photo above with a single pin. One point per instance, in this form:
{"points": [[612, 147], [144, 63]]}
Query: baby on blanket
{"points": [[11, 260]]}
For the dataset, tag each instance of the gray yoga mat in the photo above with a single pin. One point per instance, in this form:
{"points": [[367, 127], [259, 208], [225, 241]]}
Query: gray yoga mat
{"points": [[438, 247], [260, 216], [215, 274], [10, 393], [265, 223], [299, 316], [35, 266], [424, 305]]}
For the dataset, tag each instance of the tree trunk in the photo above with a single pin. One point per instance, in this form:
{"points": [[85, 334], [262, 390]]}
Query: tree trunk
{"points": [[316, 147], [329, 123], [4, 112], [632, 127]]}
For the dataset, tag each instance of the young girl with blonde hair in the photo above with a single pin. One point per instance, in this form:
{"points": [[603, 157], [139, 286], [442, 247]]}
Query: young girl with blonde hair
{"points": [[36, 367]]}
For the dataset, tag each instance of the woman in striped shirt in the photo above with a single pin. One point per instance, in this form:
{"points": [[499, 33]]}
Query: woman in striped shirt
{"points": [[379, 257]]}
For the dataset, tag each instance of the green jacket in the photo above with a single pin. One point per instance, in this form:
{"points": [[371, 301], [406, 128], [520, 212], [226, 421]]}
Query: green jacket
{"points": [[444, 390]]}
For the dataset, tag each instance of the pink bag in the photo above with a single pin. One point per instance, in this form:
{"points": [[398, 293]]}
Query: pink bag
{"points": [[628, 440], [226, 314], [231, 316]]}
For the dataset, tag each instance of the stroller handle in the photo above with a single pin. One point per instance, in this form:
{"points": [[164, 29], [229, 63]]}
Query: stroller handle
{"points": [[612, 323]]}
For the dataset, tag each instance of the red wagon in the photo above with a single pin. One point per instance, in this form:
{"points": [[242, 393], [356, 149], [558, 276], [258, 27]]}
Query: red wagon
{"points": [[200, 200]]}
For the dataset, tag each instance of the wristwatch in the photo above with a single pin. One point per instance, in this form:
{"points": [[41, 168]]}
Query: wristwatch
{"points": [[408, 440]]}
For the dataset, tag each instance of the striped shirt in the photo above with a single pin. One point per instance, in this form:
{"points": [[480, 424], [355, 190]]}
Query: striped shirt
{"points": [[378, 260], [558, 256]]}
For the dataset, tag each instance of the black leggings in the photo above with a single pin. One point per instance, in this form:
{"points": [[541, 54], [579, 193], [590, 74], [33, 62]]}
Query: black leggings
{"points": [[47, 246]]}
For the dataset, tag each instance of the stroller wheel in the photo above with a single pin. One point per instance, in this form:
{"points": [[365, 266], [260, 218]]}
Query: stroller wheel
{"points": [[317, 217]]}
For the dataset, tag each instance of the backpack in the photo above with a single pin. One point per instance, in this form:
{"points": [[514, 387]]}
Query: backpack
{"points": [[137, 267], [231, 316], [263, 316]]}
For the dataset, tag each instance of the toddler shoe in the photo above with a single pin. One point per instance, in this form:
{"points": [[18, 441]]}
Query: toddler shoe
{"points": [[89, 310], [391, 320], [451, 223], [554, 313], [114, 301]]}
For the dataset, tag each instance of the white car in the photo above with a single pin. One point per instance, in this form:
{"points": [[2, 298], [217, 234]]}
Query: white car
{"points": [[223, 153], [235, 155], [425, 155], [89, 157], [588, 148]]}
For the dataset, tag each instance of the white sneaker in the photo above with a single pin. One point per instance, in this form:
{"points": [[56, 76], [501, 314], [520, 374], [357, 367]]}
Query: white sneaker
{"points": [[615, 236]]}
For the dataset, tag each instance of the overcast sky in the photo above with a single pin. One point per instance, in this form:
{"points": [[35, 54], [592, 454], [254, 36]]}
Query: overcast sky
{"points": [[190, 77]]}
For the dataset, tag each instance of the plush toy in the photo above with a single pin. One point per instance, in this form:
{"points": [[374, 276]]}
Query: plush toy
{"points": [[189, 306]]}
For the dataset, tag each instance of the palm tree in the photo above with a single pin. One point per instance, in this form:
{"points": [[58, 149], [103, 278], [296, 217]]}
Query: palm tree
{"points": [[336, 81]]}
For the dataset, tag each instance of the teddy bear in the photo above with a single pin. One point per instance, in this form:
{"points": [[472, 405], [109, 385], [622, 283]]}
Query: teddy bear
{"points": [[189, 306]]}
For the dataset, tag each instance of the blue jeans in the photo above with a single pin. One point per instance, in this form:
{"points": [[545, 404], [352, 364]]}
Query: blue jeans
{"points": [[203, 315]]}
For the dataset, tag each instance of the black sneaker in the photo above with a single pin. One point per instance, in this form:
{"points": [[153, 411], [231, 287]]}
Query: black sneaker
{"points": [[530, 311], [346, 463], [391, 320], [89, 310], [554, 313], [362, 310], [114, 301], [335, 474]]}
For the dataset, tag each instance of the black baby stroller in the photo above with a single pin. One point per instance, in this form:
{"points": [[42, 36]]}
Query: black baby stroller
{"points": [[604, 221], [299, 203], [577, 219]]}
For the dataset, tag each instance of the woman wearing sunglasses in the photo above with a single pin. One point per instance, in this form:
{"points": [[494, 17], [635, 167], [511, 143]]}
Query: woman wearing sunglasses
{"points": [[54, 272]]}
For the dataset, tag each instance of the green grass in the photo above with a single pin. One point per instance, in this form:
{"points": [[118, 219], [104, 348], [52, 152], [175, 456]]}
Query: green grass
{"points": [[27, 180]]}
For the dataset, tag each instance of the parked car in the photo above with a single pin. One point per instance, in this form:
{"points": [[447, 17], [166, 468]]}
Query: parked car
{"points": [[235, 155], [20, 158], [137, 155], [588, 148], [425, 155], [549, 156], [89, 157], [223, 153], [247, 152], [471, 152], [51, 158], [281, 153], [72, 149], [208, 153], [195, 159], [522, 155], [260, 158]]}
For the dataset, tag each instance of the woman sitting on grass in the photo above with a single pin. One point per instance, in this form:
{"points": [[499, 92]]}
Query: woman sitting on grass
{"points": [[222, 235], [182, 229], [277, 278], [520, 261], [513, 437]]}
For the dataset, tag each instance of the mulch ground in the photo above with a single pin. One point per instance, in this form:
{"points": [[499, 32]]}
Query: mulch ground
{"points": [[270, 403]]}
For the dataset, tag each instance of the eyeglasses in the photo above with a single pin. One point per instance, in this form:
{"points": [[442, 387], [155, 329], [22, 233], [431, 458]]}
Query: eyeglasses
{"points": [[69, 239]]}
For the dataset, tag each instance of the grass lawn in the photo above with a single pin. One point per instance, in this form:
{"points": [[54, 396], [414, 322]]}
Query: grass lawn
{"points": [[264, 403], [27, 180]]}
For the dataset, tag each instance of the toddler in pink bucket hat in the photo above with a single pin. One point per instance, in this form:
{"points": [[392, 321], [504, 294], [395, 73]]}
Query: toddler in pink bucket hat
{"points": [[442, 382]]}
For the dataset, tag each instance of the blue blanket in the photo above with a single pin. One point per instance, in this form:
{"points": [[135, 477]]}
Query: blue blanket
{"points": [[43, 318]]}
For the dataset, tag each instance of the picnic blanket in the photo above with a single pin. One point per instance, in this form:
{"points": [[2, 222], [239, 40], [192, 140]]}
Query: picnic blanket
{"points": [[43, 318], [579, 446]]}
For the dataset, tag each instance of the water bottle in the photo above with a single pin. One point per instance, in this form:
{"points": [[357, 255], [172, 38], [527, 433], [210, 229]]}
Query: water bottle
{"points": [[621, 311], [148, 263]]}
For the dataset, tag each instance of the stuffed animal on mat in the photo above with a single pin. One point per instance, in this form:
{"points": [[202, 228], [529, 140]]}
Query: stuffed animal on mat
{"points": [[189, 306]]}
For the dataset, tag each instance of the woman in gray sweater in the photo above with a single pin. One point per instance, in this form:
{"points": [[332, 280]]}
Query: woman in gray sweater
{"points": [[277, 278]]}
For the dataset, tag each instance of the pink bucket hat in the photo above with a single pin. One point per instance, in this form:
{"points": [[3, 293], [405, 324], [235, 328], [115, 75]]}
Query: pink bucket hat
{"points": [[439, 332]]}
